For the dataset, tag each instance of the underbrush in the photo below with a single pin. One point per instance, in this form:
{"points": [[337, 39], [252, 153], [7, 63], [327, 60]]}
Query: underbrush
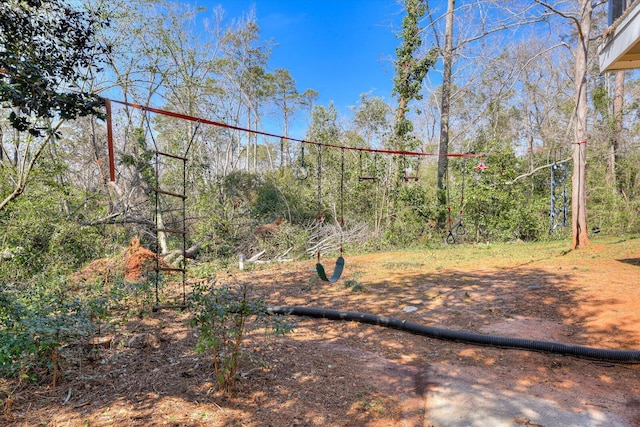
{"points": [[39, 320]]}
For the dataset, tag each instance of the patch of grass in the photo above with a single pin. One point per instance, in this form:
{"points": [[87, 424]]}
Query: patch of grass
{"points": [[373, 406], [492, 255], [354, 285], [402, 265], [361, 393]]}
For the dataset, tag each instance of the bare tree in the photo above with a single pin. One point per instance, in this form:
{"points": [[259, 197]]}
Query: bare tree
{"points": [[445, 105]]}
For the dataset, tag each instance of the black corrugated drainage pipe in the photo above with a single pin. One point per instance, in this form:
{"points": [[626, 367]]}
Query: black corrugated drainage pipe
{"points": [[617, 356]]}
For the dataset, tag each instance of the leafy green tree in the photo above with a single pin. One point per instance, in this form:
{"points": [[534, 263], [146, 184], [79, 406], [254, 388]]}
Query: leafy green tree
{"points": [[410, 70], [38, 235], [610, 123], [372, 119], [47, 53]]}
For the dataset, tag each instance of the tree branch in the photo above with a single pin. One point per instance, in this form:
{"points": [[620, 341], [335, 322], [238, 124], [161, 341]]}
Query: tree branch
{"points": [[564, 15], [539, 168]]}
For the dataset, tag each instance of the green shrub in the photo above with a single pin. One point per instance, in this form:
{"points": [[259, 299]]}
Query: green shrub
{"points": [[221, 314], [36, 322]]}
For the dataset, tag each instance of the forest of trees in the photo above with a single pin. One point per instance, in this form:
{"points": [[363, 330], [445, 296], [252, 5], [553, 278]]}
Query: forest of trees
{"points": [[507, 91]]}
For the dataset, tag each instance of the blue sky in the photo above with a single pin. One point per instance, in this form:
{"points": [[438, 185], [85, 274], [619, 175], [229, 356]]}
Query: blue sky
{"points": [[340, 48]]}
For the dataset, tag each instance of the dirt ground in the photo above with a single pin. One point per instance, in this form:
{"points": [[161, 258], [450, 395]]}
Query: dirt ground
{"points": [[331, 373]]}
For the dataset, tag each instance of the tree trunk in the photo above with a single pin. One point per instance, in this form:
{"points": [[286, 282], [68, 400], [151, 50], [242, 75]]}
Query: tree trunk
{"points": [[614, 142], [98, 152], [247, 160], [399, 144], [443, 159], [579, 179], [161, 235]]}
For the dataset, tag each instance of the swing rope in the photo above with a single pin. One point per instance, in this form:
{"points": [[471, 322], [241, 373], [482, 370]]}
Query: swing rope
{"points": [[337, 272], [370, 177], [302, 173], [450, 240], [341, 200], [460, 230], [407, 170], [319, 182]]}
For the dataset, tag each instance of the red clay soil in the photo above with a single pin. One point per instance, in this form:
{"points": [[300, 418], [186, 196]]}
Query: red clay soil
{"points": [[138, 261], [329, 373], [134, 263]]}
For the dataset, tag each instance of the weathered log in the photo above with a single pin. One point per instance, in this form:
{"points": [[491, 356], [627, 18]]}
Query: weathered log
{"points": [[174, 255]]}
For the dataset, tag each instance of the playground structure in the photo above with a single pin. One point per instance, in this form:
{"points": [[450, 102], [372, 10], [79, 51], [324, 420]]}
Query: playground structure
{"points": [[409, 162]]}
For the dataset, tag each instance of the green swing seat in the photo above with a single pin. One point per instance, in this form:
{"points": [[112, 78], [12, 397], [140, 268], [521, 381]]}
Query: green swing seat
{"points": [[337, 272]]}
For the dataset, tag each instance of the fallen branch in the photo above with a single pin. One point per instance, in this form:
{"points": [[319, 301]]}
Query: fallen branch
{"points": [[255, 257], [175, 255], [278, 258], [66, 400], [281, 257], [326, 238]]}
